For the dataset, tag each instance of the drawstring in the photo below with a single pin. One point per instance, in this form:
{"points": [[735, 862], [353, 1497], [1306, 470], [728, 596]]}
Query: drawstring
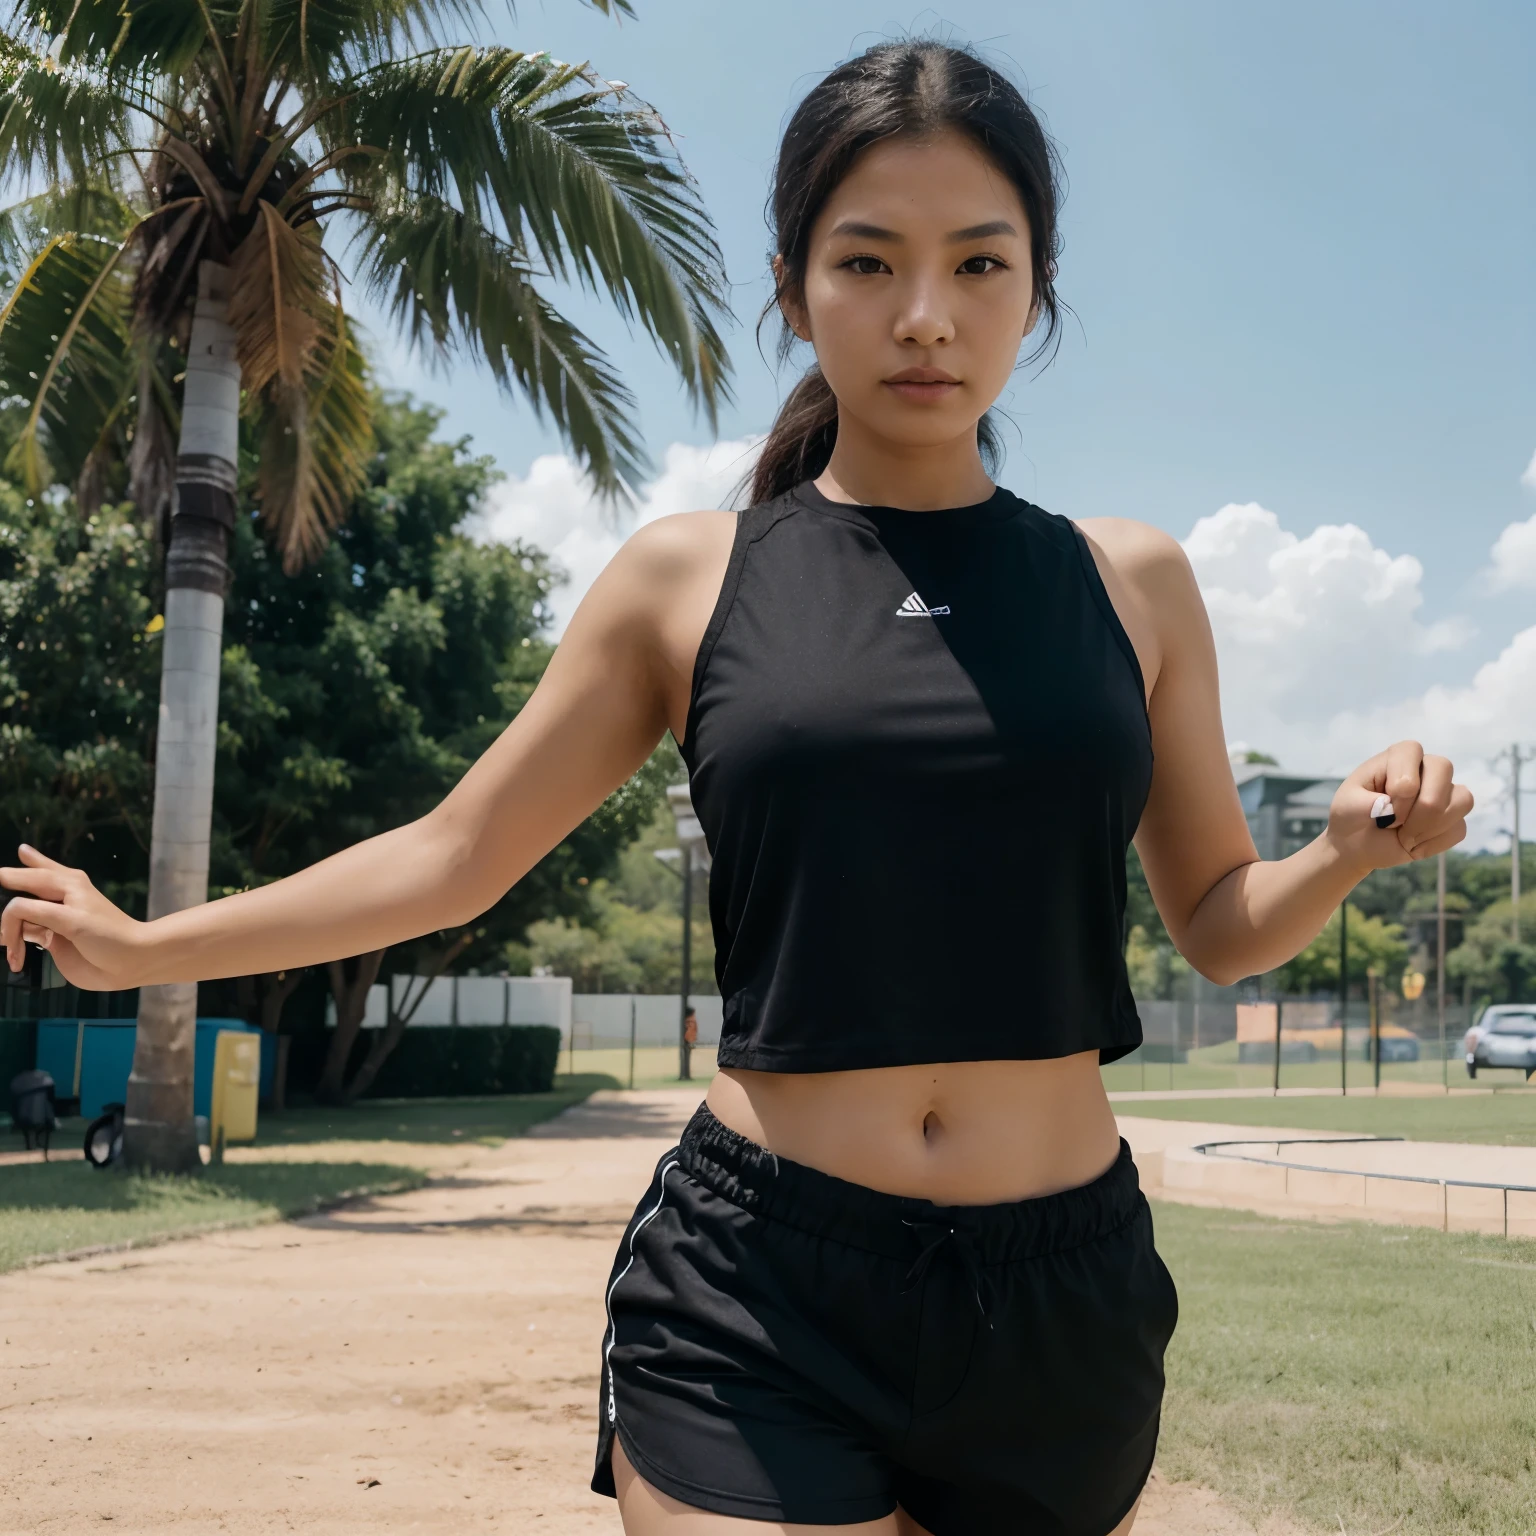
{"points": [[933, 1236]]}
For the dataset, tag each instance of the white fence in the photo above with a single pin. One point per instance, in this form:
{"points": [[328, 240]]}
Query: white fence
{"points": [[598, 1018], [474, 1000], [602, 1019]]}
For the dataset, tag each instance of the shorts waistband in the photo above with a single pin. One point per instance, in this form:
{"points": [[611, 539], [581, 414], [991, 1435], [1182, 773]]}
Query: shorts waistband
{"points": [[773, 1187]]}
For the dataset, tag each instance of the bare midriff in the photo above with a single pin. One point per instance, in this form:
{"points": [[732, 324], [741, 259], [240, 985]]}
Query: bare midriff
{"points": [[957, 1133]]}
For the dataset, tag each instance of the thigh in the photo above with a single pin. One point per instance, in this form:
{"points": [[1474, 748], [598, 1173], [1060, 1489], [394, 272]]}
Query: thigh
{"points": [[647, 1511]]}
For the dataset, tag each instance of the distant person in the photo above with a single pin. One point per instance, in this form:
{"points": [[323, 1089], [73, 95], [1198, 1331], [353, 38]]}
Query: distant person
{"points": [[898, 1276], [691, 1027]]}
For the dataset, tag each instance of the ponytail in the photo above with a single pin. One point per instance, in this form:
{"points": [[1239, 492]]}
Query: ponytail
{"points": [[799, 447]]}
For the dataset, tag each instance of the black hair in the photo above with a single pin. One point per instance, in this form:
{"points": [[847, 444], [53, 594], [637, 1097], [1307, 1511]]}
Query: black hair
{"points": [[915, 88]]}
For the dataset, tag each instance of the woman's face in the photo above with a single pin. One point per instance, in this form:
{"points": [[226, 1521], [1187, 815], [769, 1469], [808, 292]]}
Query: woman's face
{"points": [[918, 288]]}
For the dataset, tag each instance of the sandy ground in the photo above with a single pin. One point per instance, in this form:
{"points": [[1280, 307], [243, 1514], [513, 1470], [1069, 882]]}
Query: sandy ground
{"points": [[422, 1362]]}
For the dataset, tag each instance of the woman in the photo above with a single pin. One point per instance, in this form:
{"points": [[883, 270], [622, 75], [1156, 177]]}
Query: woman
{"points": [[898, 1276]]}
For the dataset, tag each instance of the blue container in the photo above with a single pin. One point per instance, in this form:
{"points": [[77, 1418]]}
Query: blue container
{"points": [[104, 1048]]}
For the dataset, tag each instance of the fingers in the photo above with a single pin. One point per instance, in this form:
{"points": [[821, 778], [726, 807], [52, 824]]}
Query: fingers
{"points": [[1434, 797], [1439, 819], [1402, 777], [51, 884], [1440, 843], [26, 919]]}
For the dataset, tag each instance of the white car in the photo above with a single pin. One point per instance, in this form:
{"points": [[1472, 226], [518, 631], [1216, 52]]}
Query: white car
{"points": [[1504, 1036]]}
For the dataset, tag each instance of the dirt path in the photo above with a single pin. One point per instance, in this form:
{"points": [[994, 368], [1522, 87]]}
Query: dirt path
{"points": [[424, 1362]]}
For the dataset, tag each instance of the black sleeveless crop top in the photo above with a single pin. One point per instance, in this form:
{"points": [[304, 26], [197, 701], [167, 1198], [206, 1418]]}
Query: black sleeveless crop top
{"points": [[918, 745]]}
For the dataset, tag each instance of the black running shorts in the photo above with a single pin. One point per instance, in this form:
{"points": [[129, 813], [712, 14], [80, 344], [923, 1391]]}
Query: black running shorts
{"points": [[784, 1345]]}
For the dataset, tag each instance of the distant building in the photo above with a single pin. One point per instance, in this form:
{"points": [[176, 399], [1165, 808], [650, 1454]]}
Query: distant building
{"points": [[1285, 810]]}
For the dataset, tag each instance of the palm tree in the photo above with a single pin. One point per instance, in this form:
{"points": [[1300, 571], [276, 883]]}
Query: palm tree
{"points": [[199, 161]]}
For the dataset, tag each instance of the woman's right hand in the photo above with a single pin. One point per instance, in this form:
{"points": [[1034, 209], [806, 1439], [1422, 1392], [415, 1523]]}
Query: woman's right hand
{"points": [[95, 945]]}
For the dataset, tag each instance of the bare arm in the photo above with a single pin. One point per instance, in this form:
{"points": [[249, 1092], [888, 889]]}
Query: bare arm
{"points": [[609, 692], [1230, 913]]}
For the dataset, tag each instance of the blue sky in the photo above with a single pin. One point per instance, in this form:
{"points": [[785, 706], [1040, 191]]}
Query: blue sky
{"points": [[1298, 245]]}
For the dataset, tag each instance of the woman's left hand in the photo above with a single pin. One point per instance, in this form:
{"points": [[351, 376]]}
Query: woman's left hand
{"points": [[1431, 809]]}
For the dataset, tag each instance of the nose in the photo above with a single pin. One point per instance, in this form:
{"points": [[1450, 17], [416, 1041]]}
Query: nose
{"points": [[923, 319]]}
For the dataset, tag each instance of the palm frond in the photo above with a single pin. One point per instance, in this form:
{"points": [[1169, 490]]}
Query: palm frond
{"points": [[576, 170], [278, 293], [316, 436], [66, 348], [316, 41], [128, 36], [56, 120], [451, 283], [76, 207]]}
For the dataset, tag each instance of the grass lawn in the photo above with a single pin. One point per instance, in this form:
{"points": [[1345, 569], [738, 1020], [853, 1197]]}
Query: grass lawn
{"points": [[1353, 1375], [655, 1065], [485, 1120], [1502, 1119], [52, 1209], [59, 1208]]}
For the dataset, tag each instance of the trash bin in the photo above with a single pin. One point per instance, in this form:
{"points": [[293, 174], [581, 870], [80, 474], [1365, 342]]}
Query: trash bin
{"points": [[32, 1108], [236, 1084]]}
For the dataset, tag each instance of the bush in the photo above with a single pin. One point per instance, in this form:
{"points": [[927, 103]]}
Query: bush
{"points": [[469, 1059]]}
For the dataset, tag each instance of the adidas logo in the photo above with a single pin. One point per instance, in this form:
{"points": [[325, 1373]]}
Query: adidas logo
{"points": [[916, 608]]}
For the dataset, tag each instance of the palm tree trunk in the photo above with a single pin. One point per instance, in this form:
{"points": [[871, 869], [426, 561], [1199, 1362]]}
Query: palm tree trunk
{"points": [[158, 1129]]}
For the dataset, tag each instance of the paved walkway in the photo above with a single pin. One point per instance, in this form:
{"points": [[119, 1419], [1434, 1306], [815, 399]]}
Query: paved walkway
{"points": [[422, 1362]]}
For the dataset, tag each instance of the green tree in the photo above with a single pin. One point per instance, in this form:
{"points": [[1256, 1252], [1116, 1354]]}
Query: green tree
{"points": [[79, 672], [197, 155], [353, 696], [1372, 942], [1497, 968], [630, 939]]}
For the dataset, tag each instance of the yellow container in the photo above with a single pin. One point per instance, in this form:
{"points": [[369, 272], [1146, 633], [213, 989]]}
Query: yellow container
{"points": [[236, 1082]]}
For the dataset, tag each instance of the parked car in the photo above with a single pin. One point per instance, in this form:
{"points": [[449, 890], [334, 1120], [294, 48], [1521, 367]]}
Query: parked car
{"points": [[1504, 1036]]}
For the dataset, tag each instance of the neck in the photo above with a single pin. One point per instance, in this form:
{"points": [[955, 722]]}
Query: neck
{"points": [[919, 477]]}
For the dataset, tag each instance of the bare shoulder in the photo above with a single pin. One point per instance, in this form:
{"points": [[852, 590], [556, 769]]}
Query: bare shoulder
{"points": [[1136, 550], [660, 566], [678, 544], [1150, 582]]}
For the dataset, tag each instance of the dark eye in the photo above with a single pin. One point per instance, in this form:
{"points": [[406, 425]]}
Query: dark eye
{"points": [[866, 266], [979, 266]]}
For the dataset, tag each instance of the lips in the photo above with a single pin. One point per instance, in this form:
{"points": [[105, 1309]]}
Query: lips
{"points": [[922, 383]]}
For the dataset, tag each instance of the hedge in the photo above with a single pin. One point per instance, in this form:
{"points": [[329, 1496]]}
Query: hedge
{"points": [[448, 1060]]}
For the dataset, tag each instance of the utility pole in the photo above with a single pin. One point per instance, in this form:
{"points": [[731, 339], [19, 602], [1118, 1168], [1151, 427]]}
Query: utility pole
{"points": [[1516, 760], [1343, 997], [1445, 1070], [1514, 850]]}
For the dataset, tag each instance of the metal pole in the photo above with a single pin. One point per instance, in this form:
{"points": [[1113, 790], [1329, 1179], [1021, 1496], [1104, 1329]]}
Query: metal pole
{"points": [[631, 1042], [1279, 1008], [1375, 1017], [1445, 1067], [1343, 997], [682, 1018], [1514, 851]]}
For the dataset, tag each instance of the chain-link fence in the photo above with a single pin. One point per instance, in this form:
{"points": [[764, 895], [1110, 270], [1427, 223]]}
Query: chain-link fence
{"points": [[1293, 1043]]}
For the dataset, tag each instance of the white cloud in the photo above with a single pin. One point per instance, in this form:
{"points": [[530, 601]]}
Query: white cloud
{"points": [[1468, 722], [1316, 638], [552, 507], [1513, 564], [1514, 556], [1303, 623]]}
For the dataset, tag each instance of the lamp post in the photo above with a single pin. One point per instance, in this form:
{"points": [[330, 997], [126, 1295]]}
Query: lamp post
{"points": [[695, 854]]}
